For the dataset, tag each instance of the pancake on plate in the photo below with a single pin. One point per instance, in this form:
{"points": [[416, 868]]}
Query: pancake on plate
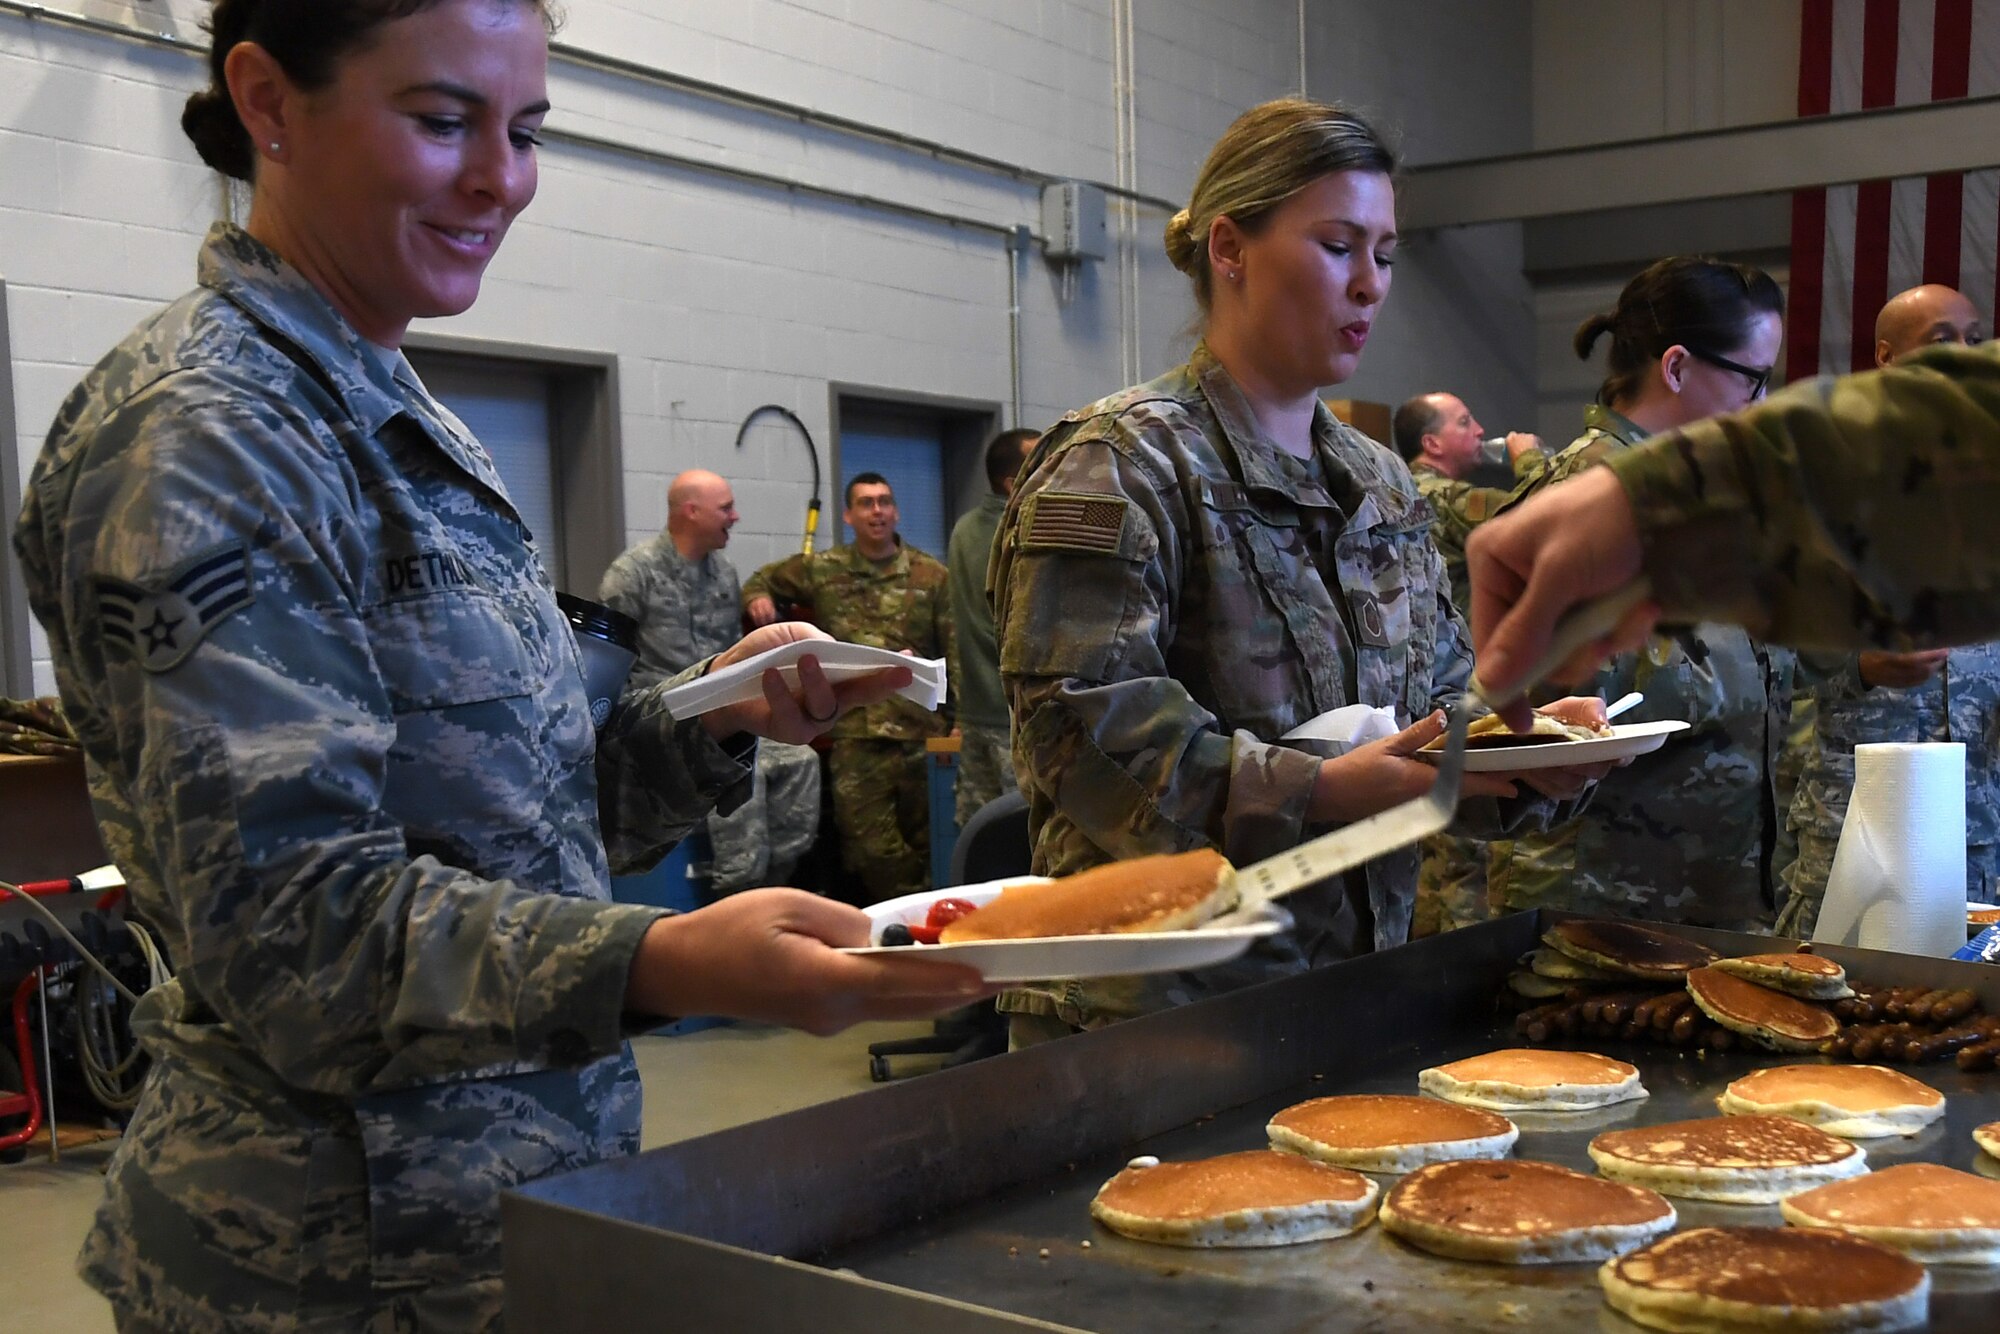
{"points": [[1852, 1101], [1256, 1198], [1987, 1137], [1389, 1132], [1490, 733], [1775, 1278], [1805, 975], [1769, 1018], [1522, 1213], [1534, 1079], [1628, 949], [1731, 1159], [1166, 893], [1935, 1215]]}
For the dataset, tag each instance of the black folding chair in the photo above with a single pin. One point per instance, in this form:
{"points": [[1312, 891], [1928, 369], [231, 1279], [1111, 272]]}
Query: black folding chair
{"points": [[992, 846]]}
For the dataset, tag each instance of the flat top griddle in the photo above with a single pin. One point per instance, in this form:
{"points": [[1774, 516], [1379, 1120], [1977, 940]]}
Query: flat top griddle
{"points": [[1369, 1281], [924, 1206]]}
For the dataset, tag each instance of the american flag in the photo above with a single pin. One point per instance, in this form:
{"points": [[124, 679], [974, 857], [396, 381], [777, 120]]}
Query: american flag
{"points": [[1855, 246]]}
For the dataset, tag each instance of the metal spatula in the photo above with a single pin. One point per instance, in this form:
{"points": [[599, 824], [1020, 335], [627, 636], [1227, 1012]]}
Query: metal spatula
{"points": [[1398, 827]]}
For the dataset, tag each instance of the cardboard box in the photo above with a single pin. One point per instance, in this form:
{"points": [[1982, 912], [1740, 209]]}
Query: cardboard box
{"points": [[1371, 419], [47, 829]]}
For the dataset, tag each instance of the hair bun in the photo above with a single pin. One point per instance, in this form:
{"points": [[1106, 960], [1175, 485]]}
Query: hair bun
{"points": [[210, 122], [1590, 330], [1181, 248]]}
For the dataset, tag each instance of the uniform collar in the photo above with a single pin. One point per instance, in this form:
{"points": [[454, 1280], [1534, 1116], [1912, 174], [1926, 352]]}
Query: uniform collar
{"points": [[1256, 455], [900, 564], [1597, 417], [250, 275]]}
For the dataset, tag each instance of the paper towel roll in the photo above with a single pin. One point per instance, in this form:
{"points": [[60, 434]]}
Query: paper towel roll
{"points": [[1898, 877]]}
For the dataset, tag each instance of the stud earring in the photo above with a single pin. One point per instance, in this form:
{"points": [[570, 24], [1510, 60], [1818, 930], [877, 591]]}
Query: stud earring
{"points": [[277, 147]]}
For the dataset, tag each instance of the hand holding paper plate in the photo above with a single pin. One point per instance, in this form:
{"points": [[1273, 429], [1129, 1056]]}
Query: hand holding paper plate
{"points": [[743, 682]]}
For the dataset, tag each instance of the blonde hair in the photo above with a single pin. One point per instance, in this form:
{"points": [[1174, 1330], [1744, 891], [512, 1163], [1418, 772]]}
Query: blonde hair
{"points": [[1270, 153]]}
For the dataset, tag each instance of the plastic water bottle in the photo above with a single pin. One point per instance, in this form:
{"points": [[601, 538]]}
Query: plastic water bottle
{"points": [[1982, 948]]}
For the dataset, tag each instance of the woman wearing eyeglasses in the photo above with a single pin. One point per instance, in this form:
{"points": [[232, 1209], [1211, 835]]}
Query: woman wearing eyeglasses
{"points": [[1685, 834]]}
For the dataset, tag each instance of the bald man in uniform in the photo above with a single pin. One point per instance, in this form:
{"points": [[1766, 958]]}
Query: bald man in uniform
{"points": [[1935, 695], [1924, 317], [687, 601]]}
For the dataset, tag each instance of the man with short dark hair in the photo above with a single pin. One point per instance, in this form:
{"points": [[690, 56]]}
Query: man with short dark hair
{"points": [[873, 591], [985, 756], [685, 597], [1441, 440]]}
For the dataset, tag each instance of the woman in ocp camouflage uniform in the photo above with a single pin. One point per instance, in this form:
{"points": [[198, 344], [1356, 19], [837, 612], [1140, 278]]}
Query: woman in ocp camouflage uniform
{"points": [[1191, 568], [336, 726], [1684, 834]]}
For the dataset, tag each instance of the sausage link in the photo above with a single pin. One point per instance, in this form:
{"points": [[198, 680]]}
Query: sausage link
{"points": [[1672, 1007], [1955, 1006], [1980, 1057]]}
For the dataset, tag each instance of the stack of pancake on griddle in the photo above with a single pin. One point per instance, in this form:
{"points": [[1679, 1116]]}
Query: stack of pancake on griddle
{"points": [[1593, 979], [1855, 1252]]}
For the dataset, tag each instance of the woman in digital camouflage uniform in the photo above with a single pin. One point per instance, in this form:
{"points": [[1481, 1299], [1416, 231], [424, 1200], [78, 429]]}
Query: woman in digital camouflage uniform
{"points": [[337, 732], [1192, 567]]}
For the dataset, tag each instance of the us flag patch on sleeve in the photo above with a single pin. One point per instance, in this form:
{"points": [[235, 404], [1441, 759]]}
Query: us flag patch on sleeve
{"points": [[161, 625], [1074, 521]]}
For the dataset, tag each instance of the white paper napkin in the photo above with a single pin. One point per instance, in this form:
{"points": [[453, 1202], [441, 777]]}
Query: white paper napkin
{"points": [[1898, 877], [1345, 728], [840, 661]]}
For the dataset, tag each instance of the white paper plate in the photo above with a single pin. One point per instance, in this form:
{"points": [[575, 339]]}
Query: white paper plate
{"points": [[1122, 955], [1623, 743]]}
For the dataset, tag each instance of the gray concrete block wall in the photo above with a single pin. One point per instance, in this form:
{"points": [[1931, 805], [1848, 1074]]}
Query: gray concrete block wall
{"points": [[717, 295]]}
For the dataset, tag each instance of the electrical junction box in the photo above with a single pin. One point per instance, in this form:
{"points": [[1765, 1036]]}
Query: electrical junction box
{"points": [[1073, 221]]}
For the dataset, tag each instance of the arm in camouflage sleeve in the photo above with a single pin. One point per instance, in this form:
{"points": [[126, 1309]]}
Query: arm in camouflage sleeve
{"points": [[256, 769], [1114, 740], [658, 777], [1838, 513], [784, 582], [1460, 506]]}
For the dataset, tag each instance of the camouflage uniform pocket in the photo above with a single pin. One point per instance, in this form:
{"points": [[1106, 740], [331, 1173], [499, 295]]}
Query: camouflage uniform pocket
{"points": [[452, 647]]}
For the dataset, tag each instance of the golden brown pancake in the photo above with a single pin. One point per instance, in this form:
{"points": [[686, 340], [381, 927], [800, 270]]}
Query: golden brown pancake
{"points": [[1373, 1132], [1530, 985], [1170, 893], [1257, 1198], [1556, 965], [1769, 1018], [1534, 1079], [1987, 1137], [1852, 1101], [1806, 975], [1734, 1159], [1519, 1212], [1743, 1278], [1628, 949], [1931, 1213]]}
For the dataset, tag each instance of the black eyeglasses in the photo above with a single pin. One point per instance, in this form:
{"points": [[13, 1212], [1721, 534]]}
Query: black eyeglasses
{"points": [[1760, 380]]}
